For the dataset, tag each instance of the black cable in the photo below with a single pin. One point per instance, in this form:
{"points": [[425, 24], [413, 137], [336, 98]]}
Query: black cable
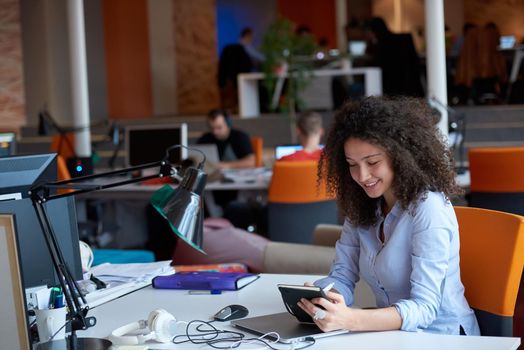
{"points": [[211, 337], [57, 331]]}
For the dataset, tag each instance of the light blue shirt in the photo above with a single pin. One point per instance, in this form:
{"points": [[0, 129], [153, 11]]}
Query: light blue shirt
{"points": [[416, 269]]}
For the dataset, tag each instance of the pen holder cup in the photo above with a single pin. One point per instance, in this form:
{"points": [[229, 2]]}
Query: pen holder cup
{"points": [[49, 322]]}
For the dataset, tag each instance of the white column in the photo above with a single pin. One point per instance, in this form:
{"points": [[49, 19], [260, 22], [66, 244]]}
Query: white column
{"points": [[436, 57], [79, 91]]}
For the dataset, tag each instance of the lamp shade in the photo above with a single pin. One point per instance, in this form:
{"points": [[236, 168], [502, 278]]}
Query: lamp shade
{"points": [[182, 207]]}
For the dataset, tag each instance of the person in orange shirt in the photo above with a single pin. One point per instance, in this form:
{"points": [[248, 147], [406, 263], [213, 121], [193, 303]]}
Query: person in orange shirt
{"points": [[309, 132]]}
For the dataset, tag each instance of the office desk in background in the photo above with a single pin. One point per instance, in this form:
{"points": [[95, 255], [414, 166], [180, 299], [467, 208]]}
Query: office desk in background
{"points": [[247, 180], [125, 206], [248, 100], [261, 298]]}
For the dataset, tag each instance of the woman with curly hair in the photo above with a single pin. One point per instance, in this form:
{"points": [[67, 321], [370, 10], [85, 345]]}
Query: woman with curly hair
{"points": [[392, 175]]}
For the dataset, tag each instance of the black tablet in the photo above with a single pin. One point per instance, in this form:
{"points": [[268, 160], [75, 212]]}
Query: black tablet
{"points": [[291, 295]]}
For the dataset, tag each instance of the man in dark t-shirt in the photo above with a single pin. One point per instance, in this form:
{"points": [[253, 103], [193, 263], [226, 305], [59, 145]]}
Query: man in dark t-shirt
{"points": [[234, 146], [235, 152]]}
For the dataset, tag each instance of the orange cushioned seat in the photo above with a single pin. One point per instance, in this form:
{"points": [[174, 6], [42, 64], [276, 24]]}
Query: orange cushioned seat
{"points": [[491, 261], [296, 204]]}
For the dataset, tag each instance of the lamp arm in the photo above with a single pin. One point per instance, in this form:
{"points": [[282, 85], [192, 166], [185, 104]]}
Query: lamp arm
{"points": [[192, 184], [78, 185], [41, 194], [77, 312]]}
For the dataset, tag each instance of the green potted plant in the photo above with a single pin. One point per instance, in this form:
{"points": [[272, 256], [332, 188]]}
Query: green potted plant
{"points": [[287, 53]]}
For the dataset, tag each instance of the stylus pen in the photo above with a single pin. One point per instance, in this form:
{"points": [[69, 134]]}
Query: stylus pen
{"points": [[328, 287], [204, 292]]}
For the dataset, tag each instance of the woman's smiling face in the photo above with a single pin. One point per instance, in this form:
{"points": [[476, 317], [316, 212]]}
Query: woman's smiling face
{"points": [[370, 167]]}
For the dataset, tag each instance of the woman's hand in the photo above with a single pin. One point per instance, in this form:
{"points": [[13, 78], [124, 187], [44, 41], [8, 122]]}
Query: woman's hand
{"points": [[336, 314]]}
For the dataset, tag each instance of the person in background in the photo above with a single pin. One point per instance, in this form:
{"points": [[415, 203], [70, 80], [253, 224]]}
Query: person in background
{"points": [[395, 54], [393, 174], [234, 146], [246, 40], [309, 132], [459, 41]]}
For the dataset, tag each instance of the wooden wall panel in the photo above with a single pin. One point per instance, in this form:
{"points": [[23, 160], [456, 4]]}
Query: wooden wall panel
{"points": [[12, 111], [196, 55], [127, 59]]}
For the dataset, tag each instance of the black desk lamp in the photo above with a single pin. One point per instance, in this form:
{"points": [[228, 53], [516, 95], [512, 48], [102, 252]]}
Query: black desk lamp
{"points": [[181, 207]]}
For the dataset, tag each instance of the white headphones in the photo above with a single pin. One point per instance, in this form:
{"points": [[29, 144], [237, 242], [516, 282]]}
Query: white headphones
{"points": [[160, 323]]}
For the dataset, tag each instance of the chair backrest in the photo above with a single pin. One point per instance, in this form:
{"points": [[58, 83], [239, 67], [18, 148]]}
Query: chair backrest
{"points": [[491, 261], [258, 147], [64, 145], [496, 178], [296, 182], [295, 203], [62, 173]]}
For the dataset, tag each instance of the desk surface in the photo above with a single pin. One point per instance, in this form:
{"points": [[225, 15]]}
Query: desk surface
{"points": [[262, 297], [247, 180]]}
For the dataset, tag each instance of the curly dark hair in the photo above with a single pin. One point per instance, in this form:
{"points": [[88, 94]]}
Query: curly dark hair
{"points": [[405, 128]]}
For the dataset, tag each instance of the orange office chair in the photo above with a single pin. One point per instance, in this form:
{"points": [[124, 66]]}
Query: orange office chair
{"points": [[258, 147], [62, 173], [491, 261], [64, 145], [295, 204], [496, 178]]}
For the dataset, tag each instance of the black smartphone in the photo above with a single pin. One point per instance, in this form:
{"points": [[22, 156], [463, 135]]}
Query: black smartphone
{"points": [[291, 295]]}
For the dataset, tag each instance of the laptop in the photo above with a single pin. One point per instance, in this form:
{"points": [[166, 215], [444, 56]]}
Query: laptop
{"points": [[357, 47], [284, 150], [507, 42], [209, 150], [286, 325]]}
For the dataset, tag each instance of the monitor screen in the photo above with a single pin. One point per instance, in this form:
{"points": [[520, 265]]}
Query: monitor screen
{"points": [[507, 41], [357, 47], [284, 150], [7, 144], [148, 143], [17, 175]]}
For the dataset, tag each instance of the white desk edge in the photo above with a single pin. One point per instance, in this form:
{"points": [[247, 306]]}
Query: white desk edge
{"points": [[262, 297]]}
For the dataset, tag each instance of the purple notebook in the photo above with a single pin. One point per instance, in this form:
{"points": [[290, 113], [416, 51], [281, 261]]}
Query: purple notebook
{"points": [[204, 280]]}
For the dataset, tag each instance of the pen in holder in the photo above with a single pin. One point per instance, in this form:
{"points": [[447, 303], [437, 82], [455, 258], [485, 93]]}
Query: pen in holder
{"points": [[56, 298]]}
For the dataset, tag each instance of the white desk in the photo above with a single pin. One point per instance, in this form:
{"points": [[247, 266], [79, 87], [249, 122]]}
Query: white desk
{"points": [[248, 103], [262, 297], [259, 181]]}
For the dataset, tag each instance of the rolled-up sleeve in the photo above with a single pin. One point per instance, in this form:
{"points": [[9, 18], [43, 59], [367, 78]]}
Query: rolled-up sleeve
{"points": [[430, 256], [345, 268]]}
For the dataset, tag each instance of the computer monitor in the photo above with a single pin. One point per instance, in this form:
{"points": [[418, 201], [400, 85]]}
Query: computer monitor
{"points": [[507, 42], [148, 143], [357, 47], [284, 150], [17, 175], [7, 144]]}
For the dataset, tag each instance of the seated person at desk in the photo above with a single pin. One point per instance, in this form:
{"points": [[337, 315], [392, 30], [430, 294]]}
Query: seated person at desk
{"points": [[234, 146], [393, 175], [309, 132]]}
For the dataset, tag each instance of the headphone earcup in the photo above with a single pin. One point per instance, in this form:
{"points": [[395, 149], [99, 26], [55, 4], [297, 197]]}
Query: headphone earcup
{"points": [[118, 336], [162, 324]]}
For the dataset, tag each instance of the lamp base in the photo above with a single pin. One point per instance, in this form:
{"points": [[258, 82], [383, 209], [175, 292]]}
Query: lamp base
{"points": [[80, 344]]}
